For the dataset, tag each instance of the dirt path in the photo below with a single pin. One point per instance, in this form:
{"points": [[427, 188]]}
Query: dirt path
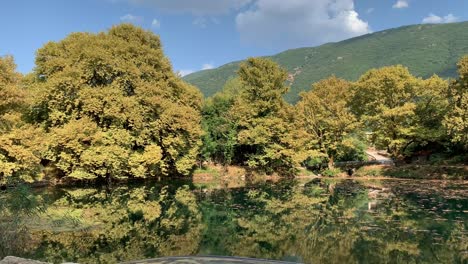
{"points": [[375, 154]]}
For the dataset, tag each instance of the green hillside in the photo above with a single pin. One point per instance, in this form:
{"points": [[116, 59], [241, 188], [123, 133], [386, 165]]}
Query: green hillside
{"points": [[424, 49]]}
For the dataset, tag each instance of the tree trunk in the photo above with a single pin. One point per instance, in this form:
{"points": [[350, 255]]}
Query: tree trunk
{"points": [[331, 163]]}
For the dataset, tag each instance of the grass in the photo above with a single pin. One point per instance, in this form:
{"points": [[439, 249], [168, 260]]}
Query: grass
{"points": [[303, 172], [429, 172], [331, 172], [370, 171], [207, 170], [424, 49], [425, 171]]}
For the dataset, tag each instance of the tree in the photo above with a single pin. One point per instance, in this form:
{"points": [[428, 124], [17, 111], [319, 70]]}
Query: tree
{"points": [[431, 106], [324, 114], [456, 120], [404, 112], [400, 109], [12, 96], [266, 130], [113, 106], [20, 147], [383, 100], [220, 131]]}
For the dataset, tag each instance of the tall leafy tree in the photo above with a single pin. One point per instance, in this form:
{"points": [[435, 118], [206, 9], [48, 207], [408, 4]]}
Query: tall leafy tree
{"points": [[456, 120], [114, 107], [400, 109], [383, 100], [431, 106], [220, 137], [266, 131], [20, 147], [12, 96], [328, 122]]}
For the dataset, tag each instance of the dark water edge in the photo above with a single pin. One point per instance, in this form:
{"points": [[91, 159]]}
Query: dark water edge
{"points": [[307, 220]]}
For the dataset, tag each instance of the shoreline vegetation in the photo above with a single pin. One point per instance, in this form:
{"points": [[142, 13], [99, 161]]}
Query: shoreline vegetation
{"points": [[409, 171], [108, 107], [230, 176]]}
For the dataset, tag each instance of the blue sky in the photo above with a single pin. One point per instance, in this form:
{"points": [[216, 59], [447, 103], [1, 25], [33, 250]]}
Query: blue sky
{"points": [[200, 34]]}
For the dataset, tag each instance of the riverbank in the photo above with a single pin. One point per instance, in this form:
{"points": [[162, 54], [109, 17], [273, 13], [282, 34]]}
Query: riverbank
{"points": [[16, 260], [410, 171], [232, 176], [416, 171]]}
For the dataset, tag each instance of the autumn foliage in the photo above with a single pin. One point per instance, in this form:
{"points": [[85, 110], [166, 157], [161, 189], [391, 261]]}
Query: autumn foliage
{"points": [[109, 106]]}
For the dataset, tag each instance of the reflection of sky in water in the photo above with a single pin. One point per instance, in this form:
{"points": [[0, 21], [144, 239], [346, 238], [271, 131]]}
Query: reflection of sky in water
{"points": [[317, 221]]}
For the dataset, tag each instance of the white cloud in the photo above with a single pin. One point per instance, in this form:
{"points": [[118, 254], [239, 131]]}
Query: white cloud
{"points": [[432, 19], [401, 4], [450, 18], [200, 22], [203, 21], [294, 23], [185, 72], [196, 7], [435, 19], [131, 18], [155, 23], [207, 66], [370, 10]]}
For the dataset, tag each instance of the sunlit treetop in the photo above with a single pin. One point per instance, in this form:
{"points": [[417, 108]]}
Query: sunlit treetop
{"points": [[120, 84]]}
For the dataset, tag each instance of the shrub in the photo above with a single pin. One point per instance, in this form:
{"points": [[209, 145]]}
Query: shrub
{"points": [[331, 172], [369, 171]]}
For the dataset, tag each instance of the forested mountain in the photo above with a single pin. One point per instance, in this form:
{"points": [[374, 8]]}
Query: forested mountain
{"points": [[424, 49]]}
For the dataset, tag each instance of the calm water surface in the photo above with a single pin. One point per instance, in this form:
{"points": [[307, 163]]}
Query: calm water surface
{"points": [[311, 221]]}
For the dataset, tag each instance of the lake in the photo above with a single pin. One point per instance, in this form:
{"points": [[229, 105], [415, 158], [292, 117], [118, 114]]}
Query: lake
{"points": [[307, 220]]}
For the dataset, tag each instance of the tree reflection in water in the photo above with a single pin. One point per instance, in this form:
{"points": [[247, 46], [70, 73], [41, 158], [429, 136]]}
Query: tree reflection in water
{"points": [[320, 221]]}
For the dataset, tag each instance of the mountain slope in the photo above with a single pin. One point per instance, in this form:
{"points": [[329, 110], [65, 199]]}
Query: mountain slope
{"points": [[424, 49]]}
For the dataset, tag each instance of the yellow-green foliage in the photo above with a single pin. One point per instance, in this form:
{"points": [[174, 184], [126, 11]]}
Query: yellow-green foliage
{"points": [[113, 107], [456, 121], [19, 142], [12, 96], [108, 106], [20, 151], [399, 108], [220, 137], [372, 170], [266, 128], [324, 115], [383, 100], [431, 105]]}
